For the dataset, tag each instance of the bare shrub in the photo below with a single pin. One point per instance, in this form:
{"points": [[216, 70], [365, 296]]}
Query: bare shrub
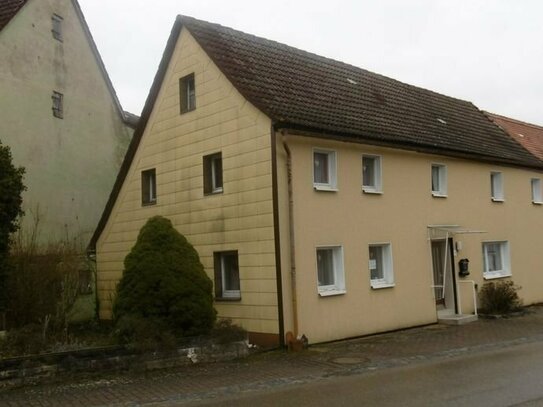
{"points": [[500, 298]]}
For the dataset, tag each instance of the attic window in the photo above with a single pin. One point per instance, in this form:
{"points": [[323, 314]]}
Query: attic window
{"points": [[57, 27], [441, 121], [352, 82], [187, 93], [520, 134]]}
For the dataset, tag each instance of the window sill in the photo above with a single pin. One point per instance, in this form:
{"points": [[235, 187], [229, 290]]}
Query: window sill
{"points": [[151, 203], [439, 195], [537, 203], [498, 200], [183, 111], [495, 276], [217, 192], [378, 286], [370, 191], [324, 188], [227, 299], [330, 293]]}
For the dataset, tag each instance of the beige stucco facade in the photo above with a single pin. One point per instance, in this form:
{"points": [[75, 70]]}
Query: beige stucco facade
{"points": [[240, 218], [400, 216], [71, 163]]}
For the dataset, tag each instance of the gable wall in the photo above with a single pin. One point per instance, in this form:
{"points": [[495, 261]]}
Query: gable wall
{"points": [[71, 163], [240, 218]]}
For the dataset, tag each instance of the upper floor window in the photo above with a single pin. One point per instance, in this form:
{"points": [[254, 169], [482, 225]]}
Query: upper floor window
{"points": [[371, 173], [148, 187], [496, 186], [330, 274], [537, 197], [380, 265], [439, 180], [187, 93], [57, 27], [226, 269], [213, 173], [496, 259], [58, 104], [324, 170]]}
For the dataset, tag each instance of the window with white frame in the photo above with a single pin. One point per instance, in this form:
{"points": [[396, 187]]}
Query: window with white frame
{"points": [[330, 273], [380, 265], [496, 186], [537, 198], [439, 180], [371, 173], [324, 170], [227, 282], [213, 174], [148, 187], [496, 259]]}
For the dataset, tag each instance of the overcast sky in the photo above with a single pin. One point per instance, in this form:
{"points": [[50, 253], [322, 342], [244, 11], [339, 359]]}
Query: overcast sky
{"points": [[489, 52]]}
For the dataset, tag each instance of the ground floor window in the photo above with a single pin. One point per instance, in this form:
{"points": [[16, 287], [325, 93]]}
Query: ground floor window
{"points": [[380, 265], [227, 282], [330, 273], [496, 259]]}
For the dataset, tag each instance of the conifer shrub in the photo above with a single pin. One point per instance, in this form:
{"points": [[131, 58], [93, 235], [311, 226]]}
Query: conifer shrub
{"points": [[500, 298], [164, 291]]}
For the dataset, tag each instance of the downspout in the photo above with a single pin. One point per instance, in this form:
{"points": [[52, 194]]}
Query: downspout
{"points": [[277, 238], [291, 237]]}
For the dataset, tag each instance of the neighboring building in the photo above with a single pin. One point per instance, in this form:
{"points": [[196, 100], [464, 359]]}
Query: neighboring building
{"points": [[60, 116], [530, 136], [320, 196]]}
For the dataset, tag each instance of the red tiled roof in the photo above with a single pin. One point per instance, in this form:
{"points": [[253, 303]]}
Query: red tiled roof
{"points": [[8, 9], [530, 136]]}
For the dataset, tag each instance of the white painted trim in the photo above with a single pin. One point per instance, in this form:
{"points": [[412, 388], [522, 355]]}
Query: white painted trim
{"points": [[331, 185]]}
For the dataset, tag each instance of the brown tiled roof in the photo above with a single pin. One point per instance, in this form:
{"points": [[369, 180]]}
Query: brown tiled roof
{"points": [[8, 9], [530, 136], [320, 96], [301, 90]]}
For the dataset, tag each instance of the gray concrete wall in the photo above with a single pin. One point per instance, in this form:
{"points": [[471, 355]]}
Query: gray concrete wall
{"points": [[71, 163]]}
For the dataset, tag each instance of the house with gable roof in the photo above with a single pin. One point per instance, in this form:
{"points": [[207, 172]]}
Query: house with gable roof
{"points": [[60, 117], [323, 199]]}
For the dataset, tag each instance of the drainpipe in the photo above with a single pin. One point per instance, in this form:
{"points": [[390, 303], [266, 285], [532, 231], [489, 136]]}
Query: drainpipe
{"points": [[291, 235], [277, 238]]}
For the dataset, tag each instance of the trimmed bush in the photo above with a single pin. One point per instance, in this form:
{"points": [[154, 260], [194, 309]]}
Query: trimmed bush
{"points": [[164, 287], [500, 298]]}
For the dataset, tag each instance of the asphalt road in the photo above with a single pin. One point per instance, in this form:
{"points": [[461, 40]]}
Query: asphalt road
{"points": [[506, 377]]}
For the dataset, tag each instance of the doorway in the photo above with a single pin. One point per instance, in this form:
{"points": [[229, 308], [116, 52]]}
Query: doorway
{"points": [[444, 276]]}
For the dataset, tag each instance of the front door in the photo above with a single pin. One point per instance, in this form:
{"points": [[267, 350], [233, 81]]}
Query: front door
{"points": [[443, 270]]}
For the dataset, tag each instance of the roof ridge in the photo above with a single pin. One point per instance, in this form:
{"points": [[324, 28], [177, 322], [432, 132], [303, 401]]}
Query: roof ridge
{"points": [[181, 18]]}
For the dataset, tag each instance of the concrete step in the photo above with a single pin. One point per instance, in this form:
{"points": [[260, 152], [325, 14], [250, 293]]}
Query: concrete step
{"points": [[457, 319]]}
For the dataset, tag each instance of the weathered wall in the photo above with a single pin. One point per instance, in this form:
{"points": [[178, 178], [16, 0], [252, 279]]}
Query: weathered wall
{"points": [[400, 215], [71, 163], [239, 219]]}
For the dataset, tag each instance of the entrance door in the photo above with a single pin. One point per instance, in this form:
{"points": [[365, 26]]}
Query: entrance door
{"points": [[444, 281]]}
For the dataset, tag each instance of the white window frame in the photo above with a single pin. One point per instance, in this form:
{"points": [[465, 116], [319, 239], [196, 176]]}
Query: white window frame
{"points": [[228, 293], [441, 192], [331, 185], [338, 287], [387, 263], [537, 197], [505, 259], [496, 186], [377, 187]]}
